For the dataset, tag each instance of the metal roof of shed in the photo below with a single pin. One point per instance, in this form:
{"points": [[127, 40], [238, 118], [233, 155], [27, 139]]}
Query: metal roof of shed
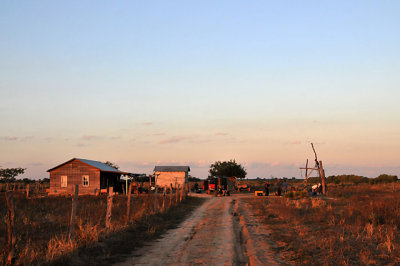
{"points": [[171, 169], [96, 164]]}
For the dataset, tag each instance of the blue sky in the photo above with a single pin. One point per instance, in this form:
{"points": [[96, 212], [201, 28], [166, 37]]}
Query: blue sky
{"points": [[190, 82]]}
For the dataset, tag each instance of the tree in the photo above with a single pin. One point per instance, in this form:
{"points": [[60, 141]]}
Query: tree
{"points": [[227, 168], [193, 179], [112, 164], [9, 174]]}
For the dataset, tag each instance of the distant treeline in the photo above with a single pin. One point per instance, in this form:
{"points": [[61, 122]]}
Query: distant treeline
{"points": [[356, 179], [25, 180], [137, 178]]}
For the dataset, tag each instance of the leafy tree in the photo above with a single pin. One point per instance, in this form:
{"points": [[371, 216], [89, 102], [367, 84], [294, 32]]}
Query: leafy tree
{"points": [[140, 177], [9, 174], [112, 164], [227, 168], [27, 180], [193, 179]]}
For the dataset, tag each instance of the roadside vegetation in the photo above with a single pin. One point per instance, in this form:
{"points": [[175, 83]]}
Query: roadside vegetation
{"points": [[42, 225], [356, 179], [353, 225]]}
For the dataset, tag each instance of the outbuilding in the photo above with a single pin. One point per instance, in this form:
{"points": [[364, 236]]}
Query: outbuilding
{"points": [[91, 176], [171, 175]]}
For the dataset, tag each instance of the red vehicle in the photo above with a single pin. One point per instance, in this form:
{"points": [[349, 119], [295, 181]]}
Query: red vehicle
{"points": [[217, 185], [209, 186]]}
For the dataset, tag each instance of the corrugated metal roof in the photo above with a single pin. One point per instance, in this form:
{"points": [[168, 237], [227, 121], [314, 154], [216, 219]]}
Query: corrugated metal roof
{"points": [[171, 169], [99, 165]]}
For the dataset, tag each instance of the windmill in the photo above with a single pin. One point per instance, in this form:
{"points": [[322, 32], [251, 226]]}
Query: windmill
{"points": [[317, 167]]}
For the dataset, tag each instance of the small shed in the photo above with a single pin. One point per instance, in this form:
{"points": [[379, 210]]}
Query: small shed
{"points": [[91, 176], [171, 175]]}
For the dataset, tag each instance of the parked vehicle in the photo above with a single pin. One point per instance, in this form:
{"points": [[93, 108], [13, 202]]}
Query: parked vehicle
{"points": [[217, 185]]}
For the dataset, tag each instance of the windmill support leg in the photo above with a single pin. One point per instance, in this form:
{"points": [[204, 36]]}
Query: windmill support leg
{"points": [[322, 177]]}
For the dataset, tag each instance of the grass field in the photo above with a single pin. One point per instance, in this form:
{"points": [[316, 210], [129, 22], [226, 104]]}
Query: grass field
{"points": [[352, 225], [42, 223]]}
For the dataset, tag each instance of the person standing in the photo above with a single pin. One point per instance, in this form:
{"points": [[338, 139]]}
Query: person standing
{"points": [[266, 188], [284, 186], [279, 187]]}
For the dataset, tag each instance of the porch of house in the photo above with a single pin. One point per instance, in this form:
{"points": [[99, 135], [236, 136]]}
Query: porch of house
{"points": [[110, 180]]}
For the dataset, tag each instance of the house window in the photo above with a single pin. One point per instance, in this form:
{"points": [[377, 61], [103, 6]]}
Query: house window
{"points": [[64, 181], [85, 180]]}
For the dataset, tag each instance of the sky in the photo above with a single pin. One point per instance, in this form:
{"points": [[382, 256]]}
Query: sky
{"points": [[145, 83]]}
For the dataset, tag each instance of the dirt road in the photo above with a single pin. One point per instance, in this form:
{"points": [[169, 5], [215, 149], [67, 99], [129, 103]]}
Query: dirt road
{"points": [[222, 231]]}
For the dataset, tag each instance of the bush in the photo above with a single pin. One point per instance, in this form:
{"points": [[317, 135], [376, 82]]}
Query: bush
{"points": [[354, 179], [296, 194], [384, 179]]}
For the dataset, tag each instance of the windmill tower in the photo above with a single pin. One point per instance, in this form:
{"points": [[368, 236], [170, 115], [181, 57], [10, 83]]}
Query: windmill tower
{"points": [[317, 167]]}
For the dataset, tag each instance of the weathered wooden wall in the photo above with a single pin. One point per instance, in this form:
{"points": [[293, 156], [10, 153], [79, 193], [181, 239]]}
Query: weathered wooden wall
{"points": [[74, 171], [168, 178]]}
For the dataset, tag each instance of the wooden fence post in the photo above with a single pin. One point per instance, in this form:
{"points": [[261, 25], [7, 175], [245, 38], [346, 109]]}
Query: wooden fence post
{"points": [[155, 199], [170, 196], [177, 194], [128, 203], [163, 202], [27, 191], [10, 226], [181, 193], [73, 213], [109, 207]]}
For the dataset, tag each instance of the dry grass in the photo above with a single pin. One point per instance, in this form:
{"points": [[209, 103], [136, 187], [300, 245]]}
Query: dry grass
{"points": [[353, 225], [41, 224]]}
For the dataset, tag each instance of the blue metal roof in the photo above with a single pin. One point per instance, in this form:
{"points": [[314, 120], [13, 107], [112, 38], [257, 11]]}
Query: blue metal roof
{"points": [[99, 165]]}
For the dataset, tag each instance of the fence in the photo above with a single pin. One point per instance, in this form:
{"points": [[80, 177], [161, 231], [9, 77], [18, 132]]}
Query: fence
{"points": [[30, 189], [46, 227]]}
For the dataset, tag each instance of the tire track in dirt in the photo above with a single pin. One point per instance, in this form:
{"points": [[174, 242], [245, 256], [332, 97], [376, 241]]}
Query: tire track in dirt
{"points": [[240, 249], [255, 238], [213, 241]]}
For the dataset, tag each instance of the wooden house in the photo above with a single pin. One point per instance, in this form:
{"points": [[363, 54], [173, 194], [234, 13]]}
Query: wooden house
{"points": [[91, 176], [171, 175]]}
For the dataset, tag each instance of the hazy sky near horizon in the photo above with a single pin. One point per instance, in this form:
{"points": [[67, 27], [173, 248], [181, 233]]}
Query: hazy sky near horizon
{"points": [[144, 83]]}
